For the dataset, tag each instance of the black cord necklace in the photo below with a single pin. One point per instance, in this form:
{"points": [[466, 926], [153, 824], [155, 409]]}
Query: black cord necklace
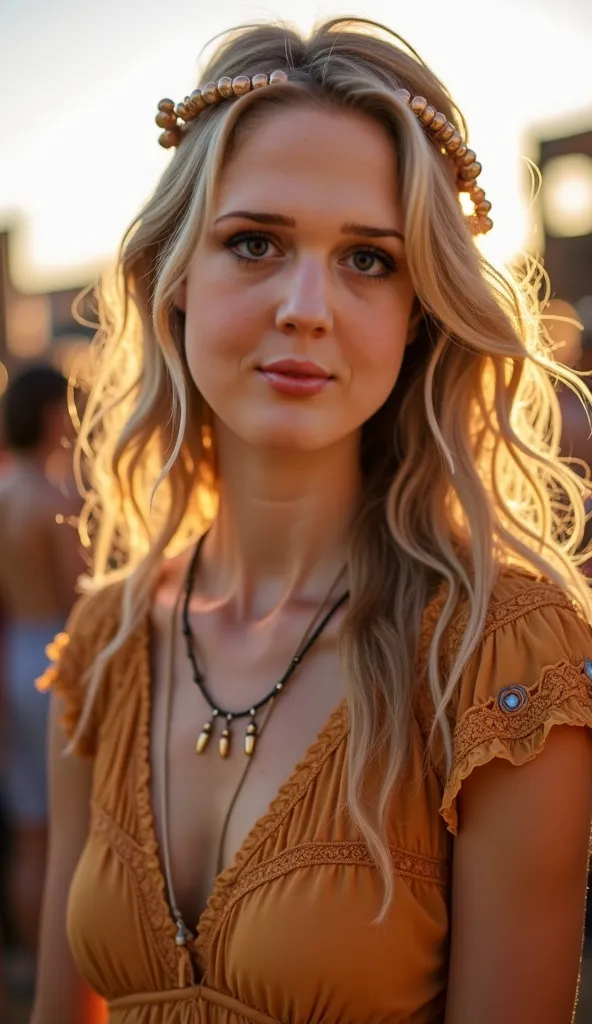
{"points": [[252, 710]]}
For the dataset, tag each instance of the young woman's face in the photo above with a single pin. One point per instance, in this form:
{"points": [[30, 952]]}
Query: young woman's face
{"points": [[298, 297]]}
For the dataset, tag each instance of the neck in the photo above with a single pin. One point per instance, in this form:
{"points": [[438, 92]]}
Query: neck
{"points": [[283, 523]]}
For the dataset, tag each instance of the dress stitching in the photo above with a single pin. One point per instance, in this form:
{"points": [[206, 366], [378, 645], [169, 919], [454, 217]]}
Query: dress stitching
{"points": [[504, 613]]}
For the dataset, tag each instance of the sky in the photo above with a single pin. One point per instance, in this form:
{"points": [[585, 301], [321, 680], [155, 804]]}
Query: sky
{"points": [[81, 83]]}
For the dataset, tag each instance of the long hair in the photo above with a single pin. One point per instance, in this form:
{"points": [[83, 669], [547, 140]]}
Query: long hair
{"points": [[461, 467]]}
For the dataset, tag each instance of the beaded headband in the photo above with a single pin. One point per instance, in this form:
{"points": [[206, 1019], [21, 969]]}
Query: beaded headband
{"points": [[450, 141]]}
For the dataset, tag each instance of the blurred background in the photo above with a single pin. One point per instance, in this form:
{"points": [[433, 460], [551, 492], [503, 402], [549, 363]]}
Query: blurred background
{"points": [[79, 155]]}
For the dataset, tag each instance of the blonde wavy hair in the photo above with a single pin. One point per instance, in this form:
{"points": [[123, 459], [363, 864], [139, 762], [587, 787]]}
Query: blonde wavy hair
{"points": [[461, 466]]}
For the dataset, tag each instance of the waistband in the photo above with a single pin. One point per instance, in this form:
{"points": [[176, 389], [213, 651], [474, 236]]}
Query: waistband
{"points": [[196, 993]]}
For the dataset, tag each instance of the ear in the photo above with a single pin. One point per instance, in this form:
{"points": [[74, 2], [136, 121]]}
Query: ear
{"points": [[180, 296]]}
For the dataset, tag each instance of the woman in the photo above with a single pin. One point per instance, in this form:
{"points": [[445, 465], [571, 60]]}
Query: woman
{"points": [[39, 565], [323, 451]]}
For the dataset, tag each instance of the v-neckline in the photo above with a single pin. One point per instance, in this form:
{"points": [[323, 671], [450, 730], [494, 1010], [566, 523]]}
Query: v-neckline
{"points": [[327, 740]]}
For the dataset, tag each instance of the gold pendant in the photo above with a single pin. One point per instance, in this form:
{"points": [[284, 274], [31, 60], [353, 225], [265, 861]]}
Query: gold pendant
{"points": [[224, 745], [250, 739], [204, 738]]}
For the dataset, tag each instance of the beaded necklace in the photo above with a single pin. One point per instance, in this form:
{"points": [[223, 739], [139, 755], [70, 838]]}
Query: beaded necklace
{"points": [[251, 711]]}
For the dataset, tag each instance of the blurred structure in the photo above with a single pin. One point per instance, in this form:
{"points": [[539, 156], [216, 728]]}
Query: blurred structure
{"points": [[37, 326], [566, 209], [566, 166]]}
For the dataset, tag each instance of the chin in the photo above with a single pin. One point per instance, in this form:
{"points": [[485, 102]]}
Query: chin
{"points": [[276, 434]]}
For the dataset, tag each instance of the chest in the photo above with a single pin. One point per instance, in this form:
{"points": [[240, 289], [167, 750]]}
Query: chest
{"points": [[212, 803]]}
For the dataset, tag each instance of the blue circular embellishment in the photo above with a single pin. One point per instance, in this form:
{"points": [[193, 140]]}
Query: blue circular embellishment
{"points": [[588, 668], [513, 698]]}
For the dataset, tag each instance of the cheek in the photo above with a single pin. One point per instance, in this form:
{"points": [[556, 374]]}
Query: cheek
{"points": [[378, 346], [221, 320]]}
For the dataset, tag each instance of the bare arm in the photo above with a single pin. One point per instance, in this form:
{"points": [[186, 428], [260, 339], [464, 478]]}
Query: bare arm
{"points": [[61, 995], [519, 882]]}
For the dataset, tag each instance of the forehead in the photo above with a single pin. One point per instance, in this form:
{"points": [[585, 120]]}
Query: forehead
{"points": [[309, 159]]}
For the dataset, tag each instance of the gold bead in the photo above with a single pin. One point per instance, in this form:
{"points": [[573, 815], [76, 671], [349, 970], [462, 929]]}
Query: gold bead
{"points": [[250, 739], [403, 95], [224, 745], [210, 93], [204, 738], [462, 149], [454, 142], [169, 138], [468, 158], [418, 105], [224, 86], [165, 120], [258, 81], [483, 207], [486, 224], [278, 77], [428, 116], [182, 112], [241, 85], [469, 173], [167, 106], [445, 133], [477, 194], [197, 101], [438, 122]]}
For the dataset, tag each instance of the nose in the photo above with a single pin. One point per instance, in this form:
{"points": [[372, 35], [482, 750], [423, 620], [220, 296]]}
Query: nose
{"points": [[305, 307]]}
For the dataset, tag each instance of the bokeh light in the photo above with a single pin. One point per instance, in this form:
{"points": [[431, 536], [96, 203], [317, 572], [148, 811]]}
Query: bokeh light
{"points": [[567, 195]]}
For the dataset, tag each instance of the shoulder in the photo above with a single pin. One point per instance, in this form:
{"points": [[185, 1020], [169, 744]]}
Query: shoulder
{"points": [[530, 671], [73, 654], [95, 615], [532, 625]]}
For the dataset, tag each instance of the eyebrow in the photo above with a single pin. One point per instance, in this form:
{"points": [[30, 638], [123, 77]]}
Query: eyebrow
{"points": [[279, 220]]}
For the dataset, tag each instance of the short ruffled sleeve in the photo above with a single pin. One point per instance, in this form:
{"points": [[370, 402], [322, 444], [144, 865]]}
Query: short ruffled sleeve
{"points": [[90, 626], [532, 670]]}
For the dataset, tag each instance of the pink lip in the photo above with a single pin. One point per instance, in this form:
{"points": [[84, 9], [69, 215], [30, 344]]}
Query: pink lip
{"points": [[292, 377]]}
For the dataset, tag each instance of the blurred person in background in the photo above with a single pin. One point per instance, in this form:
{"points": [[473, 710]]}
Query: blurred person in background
{"points": [[39, 565], [329, 693]]}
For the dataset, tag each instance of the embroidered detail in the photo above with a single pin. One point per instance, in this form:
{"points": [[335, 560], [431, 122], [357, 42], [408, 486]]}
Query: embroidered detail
{"points": [[534, 596], [155, 919], [288, 796], [320, 854], [512, 699], [485, 722], [151, 881], [504, 613]]}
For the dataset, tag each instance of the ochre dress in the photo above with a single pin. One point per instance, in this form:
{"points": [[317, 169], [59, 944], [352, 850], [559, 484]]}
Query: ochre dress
{"points": [[288, 936]]}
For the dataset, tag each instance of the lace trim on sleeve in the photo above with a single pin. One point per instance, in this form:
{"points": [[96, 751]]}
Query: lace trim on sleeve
{"points": [[515, 723]]}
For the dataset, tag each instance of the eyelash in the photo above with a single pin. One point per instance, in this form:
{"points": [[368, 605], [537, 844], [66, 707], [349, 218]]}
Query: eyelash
{"points": [[389, 264]]}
